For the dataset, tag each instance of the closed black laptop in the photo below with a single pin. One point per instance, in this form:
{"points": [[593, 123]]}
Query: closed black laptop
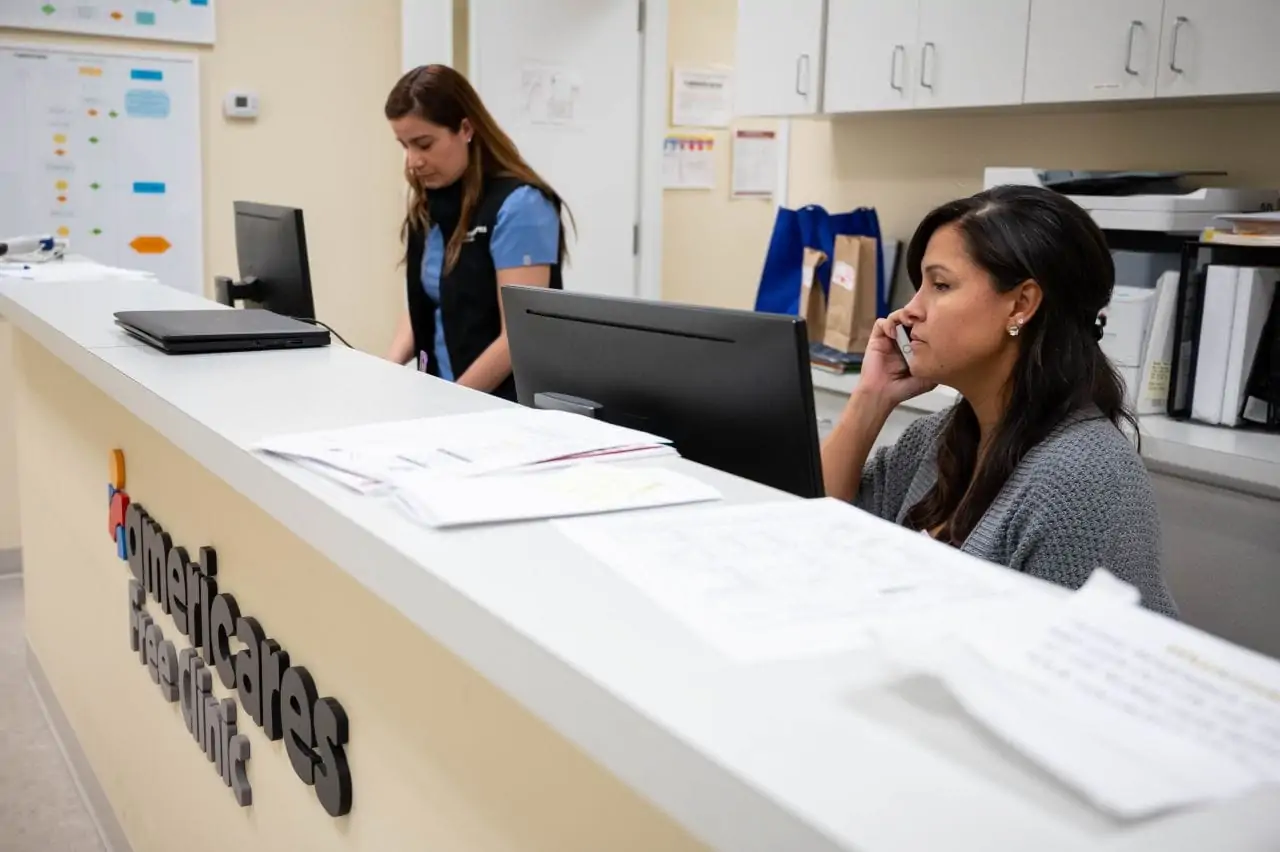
{"points": [[187, 332]]}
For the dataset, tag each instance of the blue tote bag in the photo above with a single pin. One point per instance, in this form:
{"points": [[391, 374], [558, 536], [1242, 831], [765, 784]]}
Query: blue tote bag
{"points": [[813, 227]]}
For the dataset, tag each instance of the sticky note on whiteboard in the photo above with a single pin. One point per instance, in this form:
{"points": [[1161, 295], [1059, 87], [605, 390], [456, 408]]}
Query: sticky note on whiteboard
{"points": [[146, 103]]}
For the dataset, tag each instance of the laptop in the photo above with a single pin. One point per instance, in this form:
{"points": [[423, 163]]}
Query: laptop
{"points": [[189, 332]]}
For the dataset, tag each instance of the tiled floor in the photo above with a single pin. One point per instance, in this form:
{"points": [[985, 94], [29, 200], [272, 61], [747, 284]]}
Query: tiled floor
{"points": [[40, 808]]}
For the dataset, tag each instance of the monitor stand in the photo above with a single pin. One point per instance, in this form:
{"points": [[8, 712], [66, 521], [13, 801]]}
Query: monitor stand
{"points": [[572, 404], [228, 292]]}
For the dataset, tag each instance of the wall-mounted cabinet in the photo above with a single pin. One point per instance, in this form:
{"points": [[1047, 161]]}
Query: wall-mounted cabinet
{"points": [[1092, 50], [920, 54], [1219, 47], [882, 55], [779, 57]]}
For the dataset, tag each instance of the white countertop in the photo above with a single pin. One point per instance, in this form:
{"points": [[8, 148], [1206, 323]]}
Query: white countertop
{"points": [[1241, 459], [822, 754]]}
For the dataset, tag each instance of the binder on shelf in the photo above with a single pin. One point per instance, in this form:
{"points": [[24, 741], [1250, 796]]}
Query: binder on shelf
{"points": [[1262, 403], [1216, 319], [1255, 294], [1157, 360], [1186, 334]]}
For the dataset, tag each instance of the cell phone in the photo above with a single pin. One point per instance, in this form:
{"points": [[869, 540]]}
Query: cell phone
{"points": [[904, 345]]}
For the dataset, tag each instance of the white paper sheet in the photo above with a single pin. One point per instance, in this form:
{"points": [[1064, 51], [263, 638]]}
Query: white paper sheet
{"points": [[755, 163], [689, 162], [701, 97], [1139, 713], [470, 444], [791, 579], [581, 489]]}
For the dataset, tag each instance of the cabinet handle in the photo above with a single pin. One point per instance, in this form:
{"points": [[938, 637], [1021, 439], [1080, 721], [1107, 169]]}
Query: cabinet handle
{"points": [[1134, 26], [1173, 52], [893, 66], [929, 47], [802, 75]]}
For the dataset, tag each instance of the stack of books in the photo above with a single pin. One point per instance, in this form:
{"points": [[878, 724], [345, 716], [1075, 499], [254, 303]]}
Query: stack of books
{"points": [[833, 360]]}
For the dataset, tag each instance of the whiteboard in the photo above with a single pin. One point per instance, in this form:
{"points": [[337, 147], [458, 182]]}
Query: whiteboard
{"points": [[105, 151], [162, 20]]}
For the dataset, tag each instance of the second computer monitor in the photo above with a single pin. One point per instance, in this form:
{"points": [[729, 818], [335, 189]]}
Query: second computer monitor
{"points": [[271, 247], [730, 389]]}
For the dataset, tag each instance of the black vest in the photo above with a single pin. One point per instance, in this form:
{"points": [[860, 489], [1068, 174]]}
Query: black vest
{"points": [[468, 292]]}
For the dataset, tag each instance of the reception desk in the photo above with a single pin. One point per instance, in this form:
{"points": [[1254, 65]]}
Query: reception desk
{"points": [[493, 688]]}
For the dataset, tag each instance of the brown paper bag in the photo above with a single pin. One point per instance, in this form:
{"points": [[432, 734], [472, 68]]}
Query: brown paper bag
{"points": [[851, 298], [813, 304]]}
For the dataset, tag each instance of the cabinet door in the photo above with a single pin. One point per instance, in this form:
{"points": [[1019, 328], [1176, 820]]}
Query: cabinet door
{"points": [[871, 55], [1092, 50], [778, 57], [971, 53], [1219, 47]]}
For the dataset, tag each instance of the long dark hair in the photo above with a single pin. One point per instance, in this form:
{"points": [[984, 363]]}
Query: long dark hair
{"points": [[1017, 233], [442, 96]]}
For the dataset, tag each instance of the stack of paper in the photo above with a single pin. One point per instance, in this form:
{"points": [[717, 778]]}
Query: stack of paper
{"points": [[1246, 229], [1139, 713], [795, 578], [503, 465]]}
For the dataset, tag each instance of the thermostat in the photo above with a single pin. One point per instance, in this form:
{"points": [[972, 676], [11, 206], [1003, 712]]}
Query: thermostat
{"points": [[240, 105]]}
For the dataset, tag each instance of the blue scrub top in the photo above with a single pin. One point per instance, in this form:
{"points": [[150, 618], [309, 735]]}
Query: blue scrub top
{"points": [[526, 233]]}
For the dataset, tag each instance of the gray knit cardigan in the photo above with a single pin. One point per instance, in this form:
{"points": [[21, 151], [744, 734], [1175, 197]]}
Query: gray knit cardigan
{"points": [[1079, 499]]}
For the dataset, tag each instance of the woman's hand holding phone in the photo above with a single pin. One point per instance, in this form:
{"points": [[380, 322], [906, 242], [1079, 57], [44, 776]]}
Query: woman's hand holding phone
{"points": [[886, 371]]}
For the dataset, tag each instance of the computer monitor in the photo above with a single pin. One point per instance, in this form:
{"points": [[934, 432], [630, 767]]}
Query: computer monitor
{"points": [[730, 389], [271, 247]]}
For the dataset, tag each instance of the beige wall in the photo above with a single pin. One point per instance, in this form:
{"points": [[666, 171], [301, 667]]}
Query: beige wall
{"points": [[440, 759], [903, 165], [320, 143], [712, 245]]}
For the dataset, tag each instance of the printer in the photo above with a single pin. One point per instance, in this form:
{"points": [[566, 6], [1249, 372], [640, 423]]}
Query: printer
{"points": [[1140, 201], [1166, 213]]}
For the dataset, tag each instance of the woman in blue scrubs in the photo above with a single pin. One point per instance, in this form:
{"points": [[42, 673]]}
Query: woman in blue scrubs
{"points": [[479, 219]]}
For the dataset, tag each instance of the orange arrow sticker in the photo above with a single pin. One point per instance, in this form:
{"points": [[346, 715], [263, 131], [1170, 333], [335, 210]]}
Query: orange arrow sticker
{"points": [[60, 152], [62, 199], [150, 245], [117, 16]]}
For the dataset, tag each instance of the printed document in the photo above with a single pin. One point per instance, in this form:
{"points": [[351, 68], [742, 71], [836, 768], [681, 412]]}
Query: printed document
{"points": [[794, 578], [1139, 713]]}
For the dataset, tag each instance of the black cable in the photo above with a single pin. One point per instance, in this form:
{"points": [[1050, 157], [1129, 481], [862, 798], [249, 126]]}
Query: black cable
{"points": [[327, 328]]}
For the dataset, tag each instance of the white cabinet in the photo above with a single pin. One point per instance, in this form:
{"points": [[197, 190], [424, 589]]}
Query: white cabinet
{"points": [[802, 57], [1092, 50], [904, 54], [871, 55], [1219, 47], [778, 57], [971, 52]]}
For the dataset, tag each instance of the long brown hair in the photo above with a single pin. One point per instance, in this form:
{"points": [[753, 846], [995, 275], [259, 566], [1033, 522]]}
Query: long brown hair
{"points": [[1016, 234], [442, 96]]}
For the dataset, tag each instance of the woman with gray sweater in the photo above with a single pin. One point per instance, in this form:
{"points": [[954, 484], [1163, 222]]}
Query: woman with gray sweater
{"points": [[1030, 468]]}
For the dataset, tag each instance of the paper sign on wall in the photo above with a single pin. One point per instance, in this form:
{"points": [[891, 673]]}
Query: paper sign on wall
{"points": [[755, 163], [688, 162], [701, 97], [551, 94]]}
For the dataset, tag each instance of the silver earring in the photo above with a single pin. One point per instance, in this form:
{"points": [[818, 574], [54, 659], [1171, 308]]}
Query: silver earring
{"points": [[1014, 328]]}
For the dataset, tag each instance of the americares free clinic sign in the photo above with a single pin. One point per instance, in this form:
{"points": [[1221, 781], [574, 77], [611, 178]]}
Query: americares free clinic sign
{"points": [[279, 697]]}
